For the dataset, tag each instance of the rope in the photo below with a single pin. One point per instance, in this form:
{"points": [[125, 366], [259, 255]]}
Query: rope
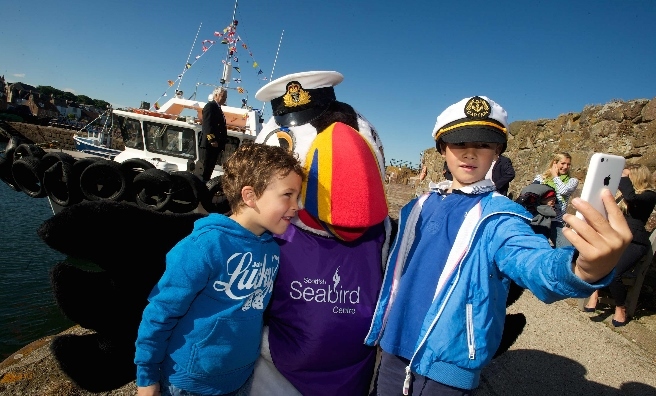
{"points": [[188, 57]]}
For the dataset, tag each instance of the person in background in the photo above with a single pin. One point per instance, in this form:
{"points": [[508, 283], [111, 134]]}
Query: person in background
{"points": [[636, 198], [441, 310], [201, 330], [501, 173], [214, 132], [557, 177]]}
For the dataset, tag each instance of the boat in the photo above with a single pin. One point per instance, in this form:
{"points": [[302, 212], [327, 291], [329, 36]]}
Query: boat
{"points": [[94, 145], [160, 166]]}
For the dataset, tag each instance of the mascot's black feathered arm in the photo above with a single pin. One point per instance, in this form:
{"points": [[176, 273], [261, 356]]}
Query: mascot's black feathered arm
{"points": [[117, 253]]}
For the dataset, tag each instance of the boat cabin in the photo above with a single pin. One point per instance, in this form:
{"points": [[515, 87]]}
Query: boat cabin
{"points": [[169, 138]]}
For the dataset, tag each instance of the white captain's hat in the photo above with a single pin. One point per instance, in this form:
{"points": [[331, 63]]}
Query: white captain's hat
{"points": [[475, 119], [299, 98]]}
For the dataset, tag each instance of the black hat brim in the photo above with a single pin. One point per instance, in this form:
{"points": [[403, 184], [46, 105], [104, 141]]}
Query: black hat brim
{"points": [[474, 134]]}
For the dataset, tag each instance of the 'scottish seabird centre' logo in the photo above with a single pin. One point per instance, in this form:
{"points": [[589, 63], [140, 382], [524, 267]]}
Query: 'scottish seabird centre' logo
{"points": [[319, 291]]}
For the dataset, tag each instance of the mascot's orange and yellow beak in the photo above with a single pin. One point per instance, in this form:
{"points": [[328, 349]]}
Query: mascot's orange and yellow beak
{"points": [[343, 192]]}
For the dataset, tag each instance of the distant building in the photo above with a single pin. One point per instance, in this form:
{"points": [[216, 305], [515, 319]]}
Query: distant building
{"points": [[3, 94]]}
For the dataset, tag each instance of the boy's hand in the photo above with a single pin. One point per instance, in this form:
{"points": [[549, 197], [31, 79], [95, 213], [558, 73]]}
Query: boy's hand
{"points": [[600, 242], [150, 390]]}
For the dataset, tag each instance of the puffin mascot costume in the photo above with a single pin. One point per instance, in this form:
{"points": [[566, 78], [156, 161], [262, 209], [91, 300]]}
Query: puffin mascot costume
{"points": [[332, 256]]}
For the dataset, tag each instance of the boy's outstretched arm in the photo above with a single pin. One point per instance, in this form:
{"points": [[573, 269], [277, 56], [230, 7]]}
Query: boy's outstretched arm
{"points": [[600, 242]]}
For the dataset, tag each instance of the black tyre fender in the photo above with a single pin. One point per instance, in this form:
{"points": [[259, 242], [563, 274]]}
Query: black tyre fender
{"points": [[153, 189], [103, 180], [188, 192], [58, 178], [216, 201], [27, 173], [133, 166], [29, 150], [78, 167], [6, 162]]}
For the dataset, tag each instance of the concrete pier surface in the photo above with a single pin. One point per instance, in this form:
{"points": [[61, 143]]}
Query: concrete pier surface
{"points": [[564, 351]]}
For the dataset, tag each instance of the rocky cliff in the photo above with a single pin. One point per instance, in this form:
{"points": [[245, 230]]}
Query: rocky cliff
{"points": [[622, 128]]}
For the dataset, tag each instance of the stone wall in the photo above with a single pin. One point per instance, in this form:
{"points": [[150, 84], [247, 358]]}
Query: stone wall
{"points": [[622, 128], [46, 136]]}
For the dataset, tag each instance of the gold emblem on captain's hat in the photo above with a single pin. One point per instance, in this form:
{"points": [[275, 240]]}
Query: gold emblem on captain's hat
{"points": [[477, 107], [295, 95]]}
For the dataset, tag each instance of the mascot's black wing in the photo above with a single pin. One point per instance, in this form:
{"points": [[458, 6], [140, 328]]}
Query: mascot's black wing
{"points": [[117, 253]]}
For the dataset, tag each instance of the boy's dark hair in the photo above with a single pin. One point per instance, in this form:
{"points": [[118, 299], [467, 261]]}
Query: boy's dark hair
{"points": [[255, 165]]}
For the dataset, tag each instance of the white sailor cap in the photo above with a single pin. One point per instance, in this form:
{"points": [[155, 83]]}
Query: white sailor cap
{"points": [[299, 98], [475, 119]]}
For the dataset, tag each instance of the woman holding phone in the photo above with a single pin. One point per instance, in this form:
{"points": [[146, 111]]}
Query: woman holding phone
{"points": [[636, 198], [557, 177]]}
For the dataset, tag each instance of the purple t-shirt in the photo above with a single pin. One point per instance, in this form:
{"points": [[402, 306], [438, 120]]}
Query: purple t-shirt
{"points": [[323, 300]]}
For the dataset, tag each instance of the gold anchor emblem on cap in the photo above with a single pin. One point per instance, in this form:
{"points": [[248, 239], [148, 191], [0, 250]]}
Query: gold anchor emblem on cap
{"points": [[295, 95], [477, 107]]}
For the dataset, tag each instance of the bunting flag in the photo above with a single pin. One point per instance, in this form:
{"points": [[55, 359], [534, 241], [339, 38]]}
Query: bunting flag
{"points": [[227, 36], [156, 106]]}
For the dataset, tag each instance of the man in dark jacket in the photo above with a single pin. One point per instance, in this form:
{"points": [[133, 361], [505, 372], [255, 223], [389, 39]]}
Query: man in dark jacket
{"points": [[214, 133], [502, 174]]}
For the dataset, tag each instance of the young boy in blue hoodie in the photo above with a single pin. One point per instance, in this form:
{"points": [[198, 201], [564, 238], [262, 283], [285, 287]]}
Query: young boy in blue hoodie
{"points": [[441, 310], [200, 333]]}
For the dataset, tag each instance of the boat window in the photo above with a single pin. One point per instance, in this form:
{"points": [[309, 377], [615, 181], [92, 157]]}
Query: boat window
{"points": [[231, 145], [170, 140], [130, 131]]}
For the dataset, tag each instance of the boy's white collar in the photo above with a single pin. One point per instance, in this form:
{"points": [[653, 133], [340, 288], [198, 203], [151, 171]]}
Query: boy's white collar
{"points": [[479, 187]]}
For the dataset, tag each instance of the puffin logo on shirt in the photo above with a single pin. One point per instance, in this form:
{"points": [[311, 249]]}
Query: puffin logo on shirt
{"points": [[344, 301], [250, 280]]}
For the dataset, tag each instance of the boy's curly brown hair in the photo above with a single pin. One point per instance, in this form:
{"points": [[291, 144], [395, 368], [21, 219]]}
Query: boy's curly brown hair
{"points": [[255, 165]]}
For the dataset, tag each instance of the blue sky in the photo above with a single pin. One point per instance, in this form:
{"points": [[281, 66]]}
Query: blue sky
{"points": [[403, 61]]}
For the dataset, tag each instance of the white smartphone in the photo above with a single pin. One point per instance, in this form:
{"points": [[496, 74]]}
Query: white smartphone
{"points": [[604, 171]]}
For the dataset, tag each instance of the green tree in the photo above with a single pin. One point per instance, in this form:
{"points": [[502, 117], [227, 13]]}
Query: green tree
{"points": [[100, 104], [48, 90], [69, 96], [83, 99]]}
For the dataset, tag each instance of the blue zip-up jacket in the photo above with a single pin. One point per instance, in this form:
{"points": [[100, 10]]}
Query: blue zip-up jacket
{"points": [[202, 326], [462, 329]]}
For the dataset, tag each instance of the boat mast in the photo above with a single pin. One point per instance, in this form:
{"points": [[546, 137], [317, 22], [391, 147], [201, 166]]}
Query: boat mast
{"points": [[227, 66]]}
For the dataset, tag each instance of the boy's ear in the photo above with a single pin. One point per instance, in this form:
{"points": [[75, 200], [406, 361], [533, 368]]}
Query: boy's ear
{"points": [[248, 196]]}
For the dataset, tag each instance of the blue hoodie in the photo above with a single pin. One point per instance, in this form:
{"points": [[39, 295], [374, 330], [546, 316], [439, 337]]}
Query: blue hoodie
{"points": [[202, 326], [463, 327]]}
